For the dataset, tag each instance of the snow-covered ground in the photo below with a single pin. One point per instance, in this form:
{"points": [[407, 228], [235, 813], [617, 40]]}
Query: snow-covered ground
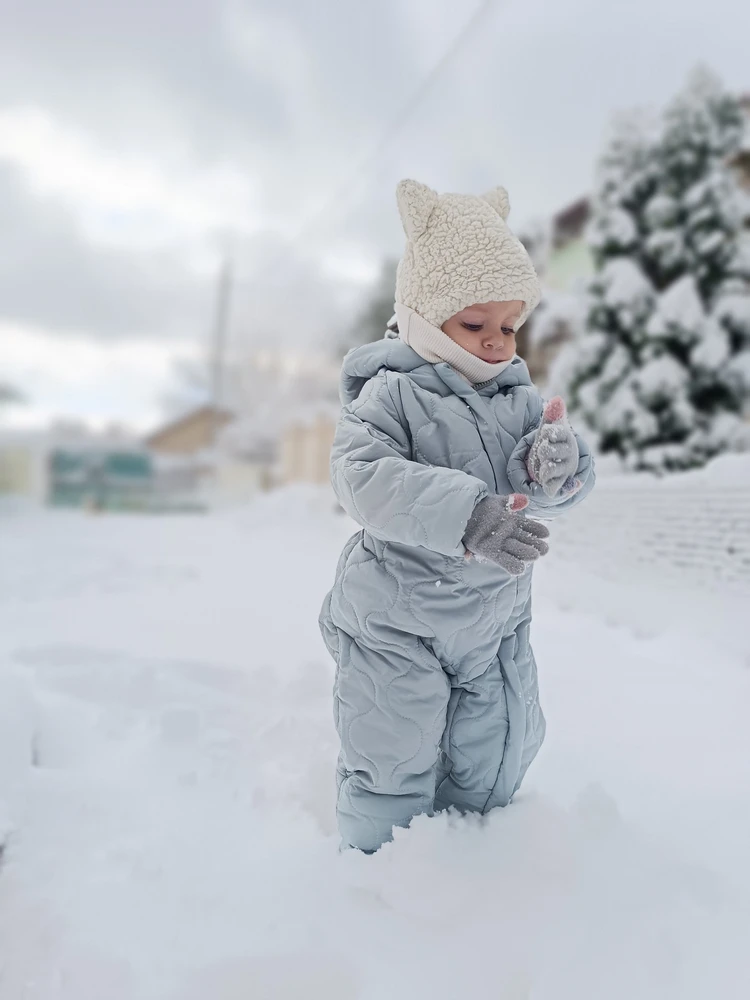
{"points": [[166, 772]]}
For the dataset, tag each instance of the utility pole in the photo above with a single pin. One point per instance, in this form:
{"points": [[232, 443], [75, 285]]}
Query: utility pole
{"points": [[220, 332]]}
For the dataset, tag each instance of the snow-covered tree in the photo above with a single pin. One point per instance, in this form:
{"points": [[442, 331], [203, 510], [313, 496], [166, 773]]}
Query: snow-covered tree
{"points": [[662, 373]]}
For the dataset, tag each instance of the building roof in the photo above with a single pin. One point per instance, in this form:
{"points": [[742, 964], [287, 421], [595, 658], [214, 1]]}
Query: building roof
{"points": [[569, 223], [221, 416]]}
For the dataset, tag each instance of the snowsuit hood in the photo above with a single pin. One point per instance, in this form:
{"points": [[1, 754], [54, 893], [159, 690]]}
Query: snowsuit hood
{"points": [[394, 355]]}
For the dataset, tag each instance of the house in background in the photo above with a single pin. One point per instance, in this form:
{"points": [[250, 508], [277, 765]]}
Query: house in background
{"points": [[68, 465], [100, 477], [204, 458], [182, 451], [567, 268], [569, 263], [23, 465], [305, 444], [279, 432], [191, 433], [245, 457]]}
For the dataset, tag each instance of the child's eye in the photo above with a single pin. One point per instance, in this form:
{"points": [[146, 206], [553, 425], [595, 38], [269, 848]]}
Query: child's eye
{"points": [[474, 327], [508, 331]]}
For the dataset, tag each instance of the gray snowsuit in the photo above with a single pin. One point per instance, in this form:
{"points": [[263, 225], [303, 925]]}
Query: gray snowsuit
{"points": [[435, 698]]}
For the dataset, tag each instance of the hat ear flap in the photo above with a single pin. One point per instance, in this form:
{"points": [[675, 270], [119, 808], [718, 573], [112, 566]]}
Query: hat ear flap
{"points": [[499, 200], [415, 205]]}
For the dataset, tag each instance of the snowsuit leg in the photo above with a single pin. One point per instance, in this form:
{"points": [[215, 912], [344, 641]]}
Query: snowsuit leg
{"points": [[494, 727], [390, 702]]}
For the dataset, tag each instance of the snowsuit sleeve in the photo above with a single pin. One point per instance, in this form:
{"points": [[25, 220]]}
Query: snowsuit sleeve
{"points": [[540, 504], [393, 498]]}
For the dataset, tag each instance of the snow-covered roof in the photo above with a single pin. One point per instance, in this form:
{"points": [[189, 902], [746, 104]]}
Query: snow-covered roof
{"points": [[187, 417]]}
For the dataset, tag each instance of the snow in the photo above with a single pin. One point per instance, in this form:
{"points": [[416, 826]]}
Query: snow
{"points": [[626, 286], [667, 246], [742, 257], [734, 308], [661, 210], [739, 368], [624, 409], [615, 227], [713, 350], [661, 378], [709, 244], [166, 764], [616, 366], [679, 308], [562, 313]]}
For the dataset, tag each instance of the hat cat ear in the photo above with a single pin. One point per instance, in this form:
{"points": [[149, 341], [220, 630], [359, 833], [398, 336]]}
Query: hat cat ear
{"points": [[415, 205], [498, 198]]}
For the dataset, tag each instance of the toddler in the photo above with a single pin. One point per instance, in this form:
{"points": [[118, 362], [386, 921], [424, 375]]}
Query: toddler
{"points": [[447, 456]]}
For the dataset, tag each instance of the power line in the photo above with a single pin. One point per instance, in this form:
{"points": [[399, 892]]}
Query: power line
{"points": [[362, 166]]}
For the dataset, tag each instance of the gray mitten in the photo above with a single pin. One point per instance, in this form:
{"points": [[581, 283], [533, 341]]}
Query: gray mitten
{"points": [[553, 457], [498, 532]]}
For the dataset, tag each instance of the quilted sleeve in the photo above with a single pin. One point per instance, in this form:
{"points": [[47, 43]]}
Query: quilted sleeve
{"points": [[392, 497], [540, 505]]}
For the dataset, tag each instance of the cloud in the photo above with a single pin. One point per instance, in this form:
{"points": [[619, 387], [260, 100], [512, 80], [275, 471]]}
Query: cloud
{"points": [[120, 199], [134, 138], [107, 380], [51, 276]]}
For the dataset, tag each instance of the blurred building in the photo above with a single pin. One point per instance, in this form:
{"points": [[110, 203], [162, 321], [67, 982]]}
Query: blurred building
{"points": [[569, 263], [741, 162], [277, 430], [565, 270], [191, 433], [99, 477], [67, 465], [305, 444], [23, 466], [183, 455], [245, 457]]}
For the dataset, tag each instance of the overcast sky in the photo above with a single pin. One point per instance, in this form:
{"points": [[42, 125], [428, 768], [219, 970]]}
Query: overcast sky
{"points": [[139, 139]]}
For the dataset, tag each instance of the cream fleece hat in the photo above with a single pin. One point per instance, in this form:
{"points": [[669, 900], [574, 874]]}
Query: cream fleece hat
{"points": [[459, 252]]}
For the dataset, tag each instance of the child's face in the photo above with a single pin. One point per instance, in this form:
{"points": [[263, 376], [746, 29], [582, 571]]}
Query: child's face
{"points": [[488, 331]]}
